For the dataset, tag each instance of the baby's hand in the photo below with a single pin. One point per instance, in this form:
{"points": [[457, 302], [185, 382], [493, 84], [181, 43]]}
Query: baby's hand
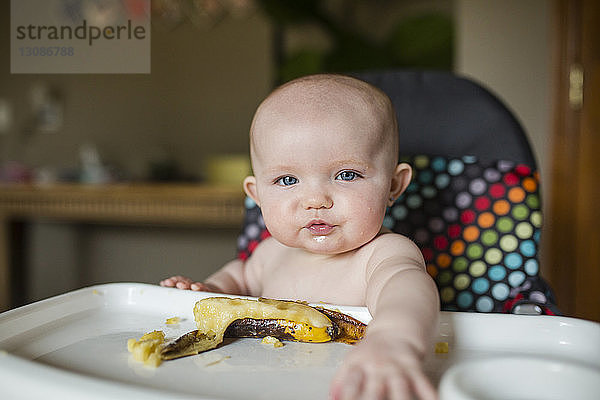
{"points": [[181, 282], [381, 367]]}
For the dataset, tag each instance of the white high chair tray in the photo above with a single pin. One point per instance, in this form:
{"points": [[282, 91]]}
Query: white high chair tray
{"points": [[74, 346]]}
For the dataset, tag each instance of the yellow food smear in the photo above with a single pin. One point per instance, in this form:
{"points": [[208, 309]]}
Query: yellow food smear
{"points": [[147, 348], [441, 347], [172, 321], [272, 340], [218, 361], [302, 322]]}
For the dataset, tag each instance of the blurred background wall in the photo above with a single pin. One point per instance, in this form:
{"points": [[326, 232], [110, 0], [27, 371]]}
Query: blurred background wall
{"points": [[198, 101]]}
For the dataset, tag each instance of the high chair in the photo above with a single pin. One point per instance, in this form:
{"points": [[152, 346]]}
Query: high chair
{"points": [[473, 205]]}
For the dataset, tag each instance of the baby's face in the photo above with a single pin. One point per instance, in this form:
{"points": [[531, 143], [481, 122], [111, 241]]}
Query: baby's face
{"points": [[323, 178]]}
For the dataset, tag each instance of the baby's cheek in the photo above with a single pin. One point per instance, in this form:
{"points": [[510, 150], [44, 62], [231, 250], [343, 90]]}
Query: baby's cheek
{"points": [[371, 220], [376, 209], [278, 225]]}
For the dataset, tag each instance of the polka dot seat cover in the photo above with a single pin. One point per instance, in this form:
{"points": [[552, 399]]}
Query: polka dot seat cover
{"points": [[477, 224]]}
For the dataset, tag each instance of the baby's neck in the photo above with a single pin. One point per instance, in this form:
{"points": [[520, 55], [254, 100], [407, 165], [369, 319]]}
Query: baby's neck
{"points": [[318, 256], [330, 256]]}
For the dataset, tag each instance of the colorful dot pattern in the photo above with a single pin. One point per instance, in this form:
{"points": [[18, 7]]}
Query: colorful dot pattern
{"points": [[253, 231], [478, 226]]}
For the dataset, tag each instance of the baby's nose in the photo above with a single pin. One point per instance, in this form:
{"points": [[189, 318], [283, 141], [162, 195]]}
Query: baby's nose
{"points": [[317, 200]]}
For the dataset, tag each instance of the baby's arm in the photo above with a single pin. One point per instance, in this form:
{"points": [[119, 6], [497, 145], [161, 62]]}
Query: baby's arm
{"points": [[235, 277], [403, 299]]}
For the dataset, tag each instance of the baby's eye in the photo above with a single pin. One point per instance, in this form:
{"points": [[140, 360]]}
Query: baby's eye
{"points": [[347, 176], [286, 180]]}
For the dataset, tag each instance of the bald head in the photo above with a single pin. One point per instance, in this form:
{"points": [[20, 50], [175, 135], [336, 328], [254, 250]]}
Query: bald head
{"points": [[329, 99]]}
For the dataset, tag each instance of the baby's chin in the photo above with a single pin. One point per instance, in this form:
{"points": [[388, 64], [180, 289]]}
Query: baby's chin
{"points": [[326, 245]]}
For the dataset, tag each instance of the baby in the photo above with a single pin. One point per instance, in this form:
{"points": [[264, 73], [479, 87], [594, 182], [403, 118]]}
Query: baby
{"points": [[325, 161]]}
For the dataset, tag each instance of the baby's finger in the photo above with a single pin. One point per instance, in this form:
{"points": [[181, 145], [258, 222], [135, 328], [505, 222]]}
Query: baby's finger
{"points": [[183, 285], [423, 387], [373, 388], [199, 286], [169, 282], [398, 388], [347, 385]]}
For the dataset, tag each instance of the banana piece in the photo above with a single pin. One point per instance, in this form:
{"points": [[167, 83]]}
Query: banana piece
{"points": [[349, 330], [219, 317], [190, 344], [147, 349], [294, 320]]}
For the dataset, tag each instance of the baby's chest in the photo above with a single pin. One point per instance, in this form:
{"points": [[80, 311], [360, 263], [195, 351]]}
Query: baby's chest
{"points": [[313, 281]]}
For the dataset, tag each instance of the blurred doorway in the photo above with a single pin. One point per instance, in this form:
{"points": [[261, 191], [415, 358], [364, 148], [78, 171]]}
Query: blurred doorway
{"points": [[573, 249]]}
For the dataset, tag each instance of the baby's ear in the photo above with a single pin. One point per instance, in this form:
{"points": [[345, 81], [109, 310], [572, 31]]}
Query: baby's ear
{"points": [[400, 181], [250, 188]]}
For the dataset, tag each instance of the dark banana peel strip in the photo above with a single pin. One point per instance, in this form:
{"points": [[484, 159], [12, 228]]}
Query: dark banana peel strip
{"points": [[190, 344], [348, 330], [219, 317]]}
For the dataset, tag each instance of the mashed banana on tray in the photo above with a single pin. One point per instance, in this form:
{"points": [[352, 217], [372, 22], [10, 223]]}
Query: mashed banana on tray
{"points": [[441, 348], [147, 348], [272, 340]]}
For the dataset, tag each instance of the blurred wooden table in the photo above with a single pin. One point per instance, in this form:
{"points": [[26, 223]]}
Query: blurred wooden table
{"points": [[161, 204]]}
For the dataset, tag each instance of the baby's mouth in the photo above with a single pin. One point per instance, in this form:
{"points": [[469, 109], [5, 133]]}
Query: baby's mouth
{"points": [[319, 228]]}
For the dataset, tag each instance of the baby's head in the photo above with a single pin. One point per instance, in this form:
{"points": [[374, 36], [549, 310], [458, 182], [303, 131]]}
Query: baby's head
{"points": [[329, 98], [324, 151]]}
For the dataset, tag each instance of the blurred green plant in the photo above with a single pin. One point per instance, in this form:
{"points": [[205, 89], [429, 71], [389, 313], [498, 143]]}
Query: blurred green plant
{"points": [[423, 41]]}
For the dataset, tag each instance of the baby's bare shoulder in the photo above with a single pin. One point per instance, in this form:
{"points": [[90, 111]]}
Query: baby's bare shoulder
{"points": [[393, 251], [392, 243]]}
